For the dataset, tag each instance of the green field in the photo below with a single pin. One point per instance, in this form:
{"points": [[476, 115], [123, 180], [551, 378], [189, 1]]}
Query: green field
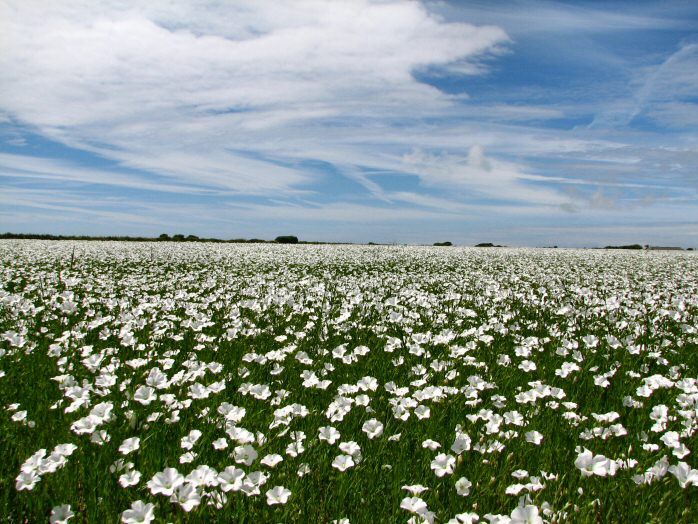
{"points": [[267, 383]]}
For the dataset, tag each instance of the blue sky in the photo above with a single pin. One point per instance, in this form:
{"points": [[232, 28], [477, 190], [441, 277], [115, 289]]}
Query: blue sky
{"points": [[524, 123]]}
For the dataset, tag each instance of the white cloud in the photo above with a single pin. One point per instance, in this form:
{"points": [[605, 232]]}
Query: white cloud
{"points": [[173, 89]]}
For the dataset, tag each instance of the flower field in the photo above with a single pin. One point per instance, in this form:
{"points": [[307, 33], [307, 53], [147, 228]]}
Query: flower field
{"points": [[190, 382]]}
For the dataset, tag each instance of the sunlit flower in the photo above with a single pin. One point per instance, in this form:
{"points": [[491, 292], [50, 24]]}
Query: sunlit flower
{"points": [[61, 514], [443, 464], [140, 513], [278, 495]]}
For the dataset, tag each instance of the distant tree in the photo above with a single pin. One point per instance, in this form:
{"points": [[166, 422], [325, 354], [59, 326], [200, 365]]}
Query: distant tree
{"points": [[178, 236], [192, 237], [443, 243], [286, 239], [485, 244], [164, 236]]}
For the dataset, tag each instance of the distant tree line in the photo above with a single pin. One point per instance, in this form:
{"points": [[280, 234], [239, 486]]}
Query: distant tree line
{"points": [[179, 237]]}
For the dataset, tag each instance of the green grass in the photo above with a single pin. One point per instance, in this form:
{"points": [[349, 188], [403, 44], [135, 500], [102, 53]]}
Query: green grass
{"points": [[322, 297]]}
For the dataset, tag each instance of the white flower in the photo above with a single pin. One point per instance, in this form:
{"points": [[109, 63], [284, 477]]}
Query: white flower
{"points": [[129, 445], [130, 478], [145, 395], [139, 513], [165, 482], [27, 480], [534, 437], [373, 428], [220, 444], [414, 505], [245, 455], [329, 434], [526, 515], [278, 495], [189, 441], [415, 489], [684, 474], [230, 479], [343, 462], [187, 496], [443, 464], [431, 445], [61, 514], [463, 486], [271, 460]]}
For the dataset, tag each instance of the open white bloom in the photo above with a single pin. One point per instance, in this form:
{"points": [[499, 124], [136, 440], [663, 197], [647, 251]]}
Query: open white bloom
{"points": [[590, 464], [328, 434], [343, 462], [415, 489], [187, 496], [230, 479], [245, 455], [278, 495], [129, 445], [526, 515], [443, 464], [271, 460], [684, 474], [463, 486], [61, 514], [165, 482], [534, 437], [431, 444], [130, 478], [140, 513], [189, 441], [220, 444], [373, 428], [414, 505]]}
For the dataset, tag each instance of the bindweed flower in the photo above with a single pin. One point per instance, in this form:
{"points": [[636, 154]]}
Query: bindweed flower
{"points": [[130, 478], [328, 434], [463, 486], [140, 513], [443, 464], [129, 445], [343, 462], [61, 514], [278, 495], [187, 496], [373, 428], [165, 482]]}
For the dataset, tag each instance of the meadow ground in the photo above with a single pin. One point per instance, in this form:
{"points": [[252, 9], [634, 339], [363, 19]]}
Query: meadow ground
{"points": [[187, 382]]}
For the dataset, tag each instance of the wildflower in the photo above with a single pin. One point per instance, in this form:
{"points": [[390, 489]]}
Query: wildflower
{"points": [[220, 444], [328, 434], [230, 479], [534, 437], [139, 513], [189, 441], [245, 455], [684, 474], [187, 496], [165, 482], [527, 514], [130, 478], [463, 486], [271, 460], [278, 495], [61, 514], [413, 505], [443, 464], [373, 428], [343, 462], [129, 445]]}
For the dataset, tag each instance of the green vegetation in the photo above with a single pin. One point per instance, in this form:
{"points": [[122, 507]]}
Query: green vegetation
{"points": [[274, 383]]}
